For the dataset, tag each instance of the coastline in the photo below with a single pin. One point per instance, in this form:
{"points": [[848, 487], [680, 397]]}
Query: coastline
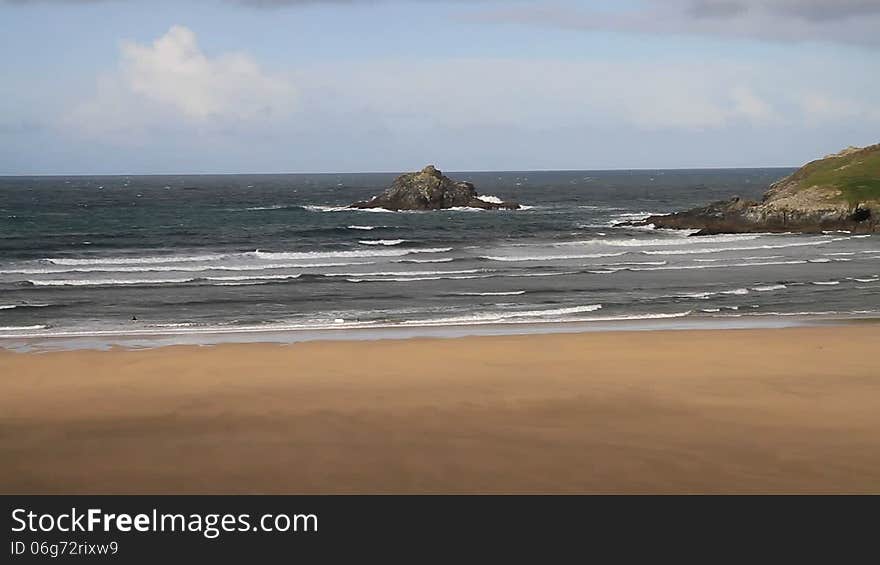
{"points": [[738, 410], [149, 339]]}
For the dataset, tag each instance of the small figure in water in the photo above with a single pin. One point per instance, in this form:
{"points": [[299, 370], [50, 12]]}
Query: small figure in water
{"points": [[134, 318]]}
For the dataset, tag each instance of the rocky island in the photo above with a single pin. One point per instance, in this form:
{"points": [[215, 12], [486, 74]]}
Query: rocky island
{"points": [[838, 192], [430, 189]]}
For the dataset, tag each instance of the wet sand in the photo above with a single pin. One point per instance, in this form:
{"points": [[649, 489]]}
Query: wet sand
{"points": [[765, 410]]}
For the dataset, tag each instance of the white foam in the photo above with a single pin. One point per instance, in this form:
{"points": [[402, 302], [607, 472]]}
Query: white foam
{"points": [[676, 239], [542, 274], [344, 254], [403, 273], [698, 295], [366, 228], [722, 266], [128, 282], [273, 207], [512, 293], [769, 288], [13, 306], [182, 268], [317, 208], [107, 282], [255, 278], [827, 283], [138, 260], [496, 317], [418, 279], [490, 199], [448, 260], [432, 250], [634, 216], [551, 257], [751, 258], [22, 328], [737, 292], [386, 242], [726, 249], [636, 263], [492, 318]]}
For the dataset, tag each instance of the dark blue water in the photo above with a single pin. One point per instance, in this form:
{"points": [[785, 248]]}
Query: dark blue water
{"points": [[84, 255]]}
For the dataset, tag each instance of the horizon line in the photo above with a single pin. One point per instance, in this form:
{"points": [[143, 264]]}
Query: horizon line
{"points": [[451, 171]]}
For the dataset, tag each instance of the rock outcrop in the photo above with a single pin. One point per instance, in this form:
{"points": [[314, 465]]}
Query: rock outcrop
{"points": [[838, 192], [430, 189]]}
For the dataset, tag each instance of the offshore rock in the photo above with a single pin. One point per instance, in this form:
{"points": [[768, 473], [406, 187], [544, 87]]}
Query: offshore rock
{"points": [[430, 189]]}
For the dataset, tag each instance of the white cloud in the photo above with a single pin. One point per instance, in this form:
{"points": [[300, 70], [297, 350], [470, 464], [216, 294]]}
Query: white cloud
{"points": [[172, 80]]}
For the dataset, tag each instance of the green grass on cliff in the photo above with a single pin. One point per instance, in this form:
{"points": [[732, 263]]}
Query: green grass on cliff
{"points": [[856, 175]]}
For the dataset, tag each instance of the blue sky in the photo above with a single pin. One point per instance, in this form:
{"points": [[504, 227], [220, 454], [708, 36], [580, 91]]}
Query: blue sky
{"points": [[124, 86]]}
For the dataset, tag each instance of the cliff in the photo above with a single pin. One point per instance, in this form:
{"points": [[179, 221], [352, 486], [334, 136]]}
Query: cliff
{"points": [[838, 192]]}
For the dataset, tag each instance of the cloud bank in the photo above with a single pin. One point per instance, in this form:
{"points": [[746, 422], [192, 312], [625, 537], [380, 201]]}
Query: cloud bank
{"points": [[838, 21]]}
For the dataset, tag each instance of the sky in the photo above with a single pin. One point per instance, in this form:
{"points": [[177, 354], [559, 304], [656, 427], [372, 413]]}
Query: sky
{"points": [[266, 86]]}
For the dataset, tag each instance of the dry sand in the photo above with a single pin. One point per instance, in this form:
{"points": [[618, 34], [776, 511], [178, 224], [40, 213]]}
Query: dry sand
{"points": [[781, 410]]}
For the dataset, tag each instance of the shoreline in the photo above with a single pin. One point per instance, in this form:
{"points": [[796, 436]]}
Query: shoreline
{"points": [[692, 411], [154, 338]]}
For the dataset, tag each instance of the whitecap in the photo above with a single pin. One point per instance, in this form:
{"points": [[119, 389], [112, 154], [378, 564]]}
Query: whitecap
{"points": [[447, 260], [403, 273], [737, 292], [273, 207], [698, 295], [137, 260], [107, 282], [13, 306], [417, 279], [385, 242], [254, 278], [344, 254], [522, 258], [769, 288], [721, 266], [511, 293], [726, 249]]}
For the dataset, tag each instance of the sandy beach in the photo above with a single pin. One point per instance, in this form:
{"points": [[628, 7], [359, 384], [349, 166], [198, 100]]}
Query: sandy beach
{"points": [[763, 411]]}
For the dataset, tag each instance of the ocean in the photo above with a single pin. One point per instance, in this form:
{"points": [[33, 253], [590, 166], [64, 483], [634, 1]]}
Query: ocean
{"points": [[203, 254]]}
